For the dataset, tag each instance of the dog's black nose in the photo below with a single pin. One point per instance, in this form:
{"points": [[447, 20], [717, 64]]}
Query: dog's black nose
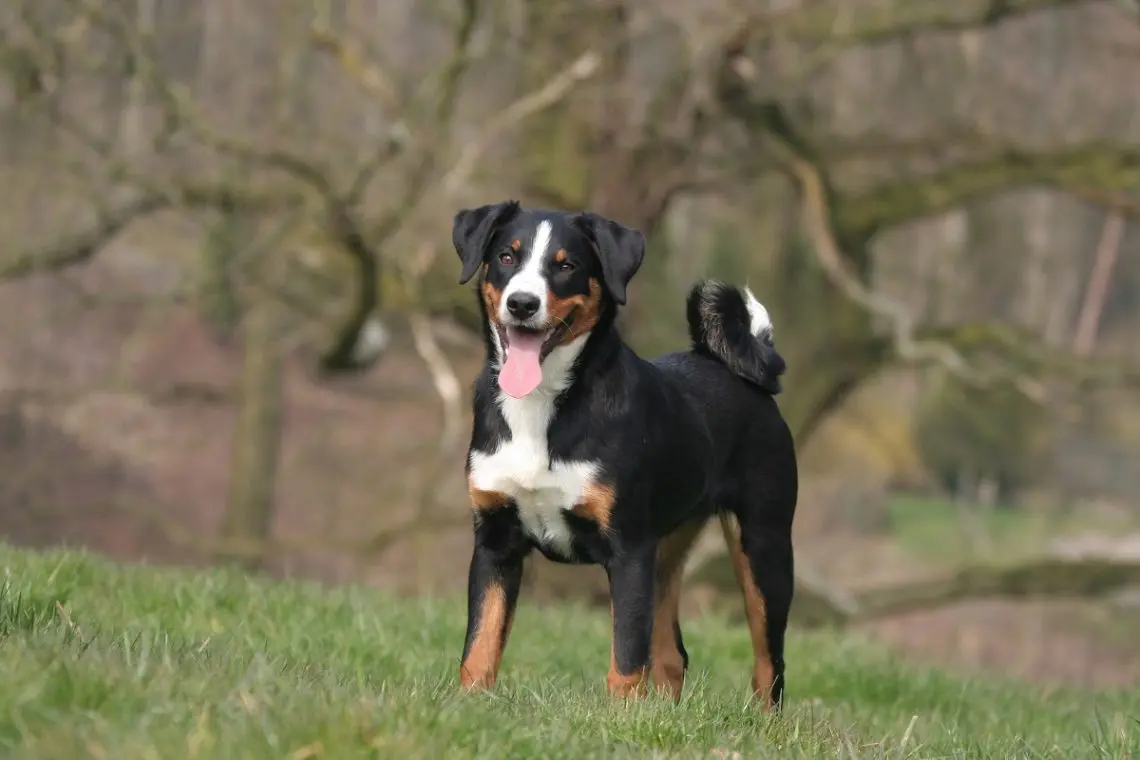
{"points": [[522, 305]]}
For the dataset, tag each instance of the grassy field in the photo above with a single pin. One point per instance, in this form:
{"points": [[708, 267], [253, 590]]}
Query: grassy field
{"points": [[105, 661], [932, 529]]}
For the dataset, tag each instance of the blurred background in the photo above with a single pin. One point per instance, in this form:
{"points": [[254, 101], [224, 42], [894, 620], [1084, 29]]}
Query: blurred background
{"points": [[230, 329]]}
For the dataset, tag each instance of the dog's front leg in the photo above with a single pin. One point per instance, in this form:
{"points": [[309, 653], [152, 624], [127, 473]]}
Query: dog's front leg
{"points": [[493, 583], [631, 576]]}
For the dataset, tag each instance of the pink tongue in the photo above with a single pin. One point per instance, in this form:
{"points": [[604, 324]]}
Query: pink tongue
{"points": [[521, 372]]}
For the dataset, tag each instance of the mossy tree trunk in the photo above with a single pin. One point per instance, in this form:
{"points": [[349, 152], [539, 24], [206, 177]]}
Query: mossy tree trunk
{"points": [[250, 508], [245, 307], [590, 151], [559, 144], [218, 300], [835, 347]]}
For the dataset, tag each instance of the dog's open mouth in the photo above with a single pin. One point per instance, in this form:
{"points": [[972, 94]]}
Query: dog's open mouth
{"points": [[525, 349]]}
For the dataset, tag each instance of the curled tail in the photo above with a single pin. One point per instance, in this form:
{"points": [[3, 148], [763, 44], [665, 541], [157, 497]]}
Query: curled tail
{"points": [[730, 325]]}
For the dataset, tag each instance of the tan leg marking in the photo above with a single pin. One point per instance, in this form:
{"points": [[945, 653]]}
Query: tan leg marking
{"points": [[668, 663], [632, 686], [481, 666], [755, 610]]}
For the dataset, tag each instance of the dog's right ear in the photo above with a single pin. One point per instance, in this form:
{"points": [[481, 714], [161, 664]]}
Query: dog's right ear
{"points": [[471, 233], [620, 248]]}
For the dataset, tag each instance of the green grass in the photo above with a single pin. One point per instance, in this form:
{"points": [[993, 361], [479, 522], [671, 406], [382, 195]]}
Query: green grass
{"points": [[106, 661], [933, 529]]}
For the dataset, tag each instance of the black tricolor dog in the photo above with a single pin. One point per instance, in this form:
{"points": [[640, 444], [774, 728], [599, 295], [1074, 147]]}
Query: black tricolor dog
{"points": [[589, 454]]}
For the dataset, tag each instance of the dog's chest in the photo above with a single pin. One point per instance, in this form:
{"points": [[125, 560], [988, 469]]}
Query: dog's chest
{"points": [[522, 469]]}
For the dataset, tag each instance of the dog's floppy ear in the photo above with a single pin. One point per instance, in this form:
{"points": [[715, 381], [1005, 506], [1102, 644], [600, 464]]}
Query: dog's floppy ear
{"points": [[620, 248], [471, 232]]}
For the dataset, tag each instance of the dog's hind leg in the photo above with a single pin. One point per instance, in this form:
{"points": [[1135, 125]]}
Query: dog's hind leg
{"points": [[763, 562], [669, 658]]}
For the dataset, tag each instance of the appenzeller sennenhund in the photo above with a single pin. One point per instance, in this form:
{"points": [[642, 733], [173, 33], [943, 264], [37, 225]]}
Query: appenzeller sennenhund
{"points": [[590, 454]]}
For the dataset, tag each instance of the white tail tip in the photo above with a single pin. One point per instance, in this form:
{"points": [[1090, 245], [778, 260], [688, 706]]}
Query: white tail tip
{"points": [[758, 316]]}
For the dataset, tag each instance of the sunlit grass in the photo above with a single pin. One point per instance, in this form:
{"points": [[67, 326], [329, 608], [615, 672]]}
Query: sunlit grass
{"points": [[933, 529], [108, 661]]}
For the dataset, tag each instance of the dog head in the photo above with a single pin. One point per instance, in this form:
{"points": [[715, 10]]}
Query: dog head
{"points": [[548, 279]]}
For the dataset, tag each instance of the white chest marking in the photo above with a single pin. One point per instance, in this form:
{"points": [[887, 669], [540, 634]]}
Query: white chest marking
{"points": [[522, 468]]}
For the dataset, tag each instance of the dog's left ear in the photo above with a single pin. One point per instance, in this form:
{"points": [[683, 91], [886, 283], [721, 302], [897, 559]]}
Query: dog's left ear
{"points": [[620, 248], [471, 233]]}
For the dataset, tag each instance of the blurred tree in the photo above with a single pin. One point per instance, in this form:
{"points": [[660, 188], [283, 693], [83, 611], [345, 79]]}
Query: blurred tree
{"points": [[218, 297], [249, 512], [295, 226], [816, 111], [969, 437]]}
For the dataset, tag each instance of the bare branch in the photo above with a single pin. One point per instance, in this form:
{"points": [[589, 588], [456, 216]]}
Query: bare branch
{"points": [[443, 377], [817, 223], [79, 247], [583, 68], [1020, 357], [356, 62], [902, 18], [362, 245], [834, 27], [1083, 169], [1096, 292]]}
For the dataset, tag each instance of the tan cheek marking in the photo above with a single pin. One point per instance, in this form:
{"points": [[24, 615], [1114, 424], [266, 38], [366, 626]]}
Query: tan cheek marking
{"points": [[597, 504], [588, 313], [561, 309], [584, 310], [491, 297], [483, 500]]}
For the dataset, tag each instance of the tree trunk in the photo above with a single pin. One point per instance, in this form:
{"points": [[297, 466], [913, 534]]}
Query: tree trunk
{"points": [[257, 439], [132, 126], [210, 58], [837, 345], [587, 152], [557, 143], [836, 348], [1099, 282], [218, 301]]}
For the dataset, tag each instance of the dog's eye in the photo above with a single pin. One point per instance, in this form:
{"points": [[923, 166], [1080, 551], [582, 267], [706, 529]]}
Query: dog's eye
{"points": [[565, 266], [506, 259]]}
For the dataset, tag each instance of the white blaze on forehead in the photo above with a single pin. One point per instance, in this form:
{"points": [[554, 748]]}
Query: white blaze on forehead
{"points": [[541, 241], [529, 279]]}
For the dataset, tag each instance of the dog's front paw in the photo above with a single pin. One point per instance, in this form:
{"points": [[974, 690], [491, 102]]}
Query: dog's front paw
{"points": [[471, 680], [633, 686]]}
